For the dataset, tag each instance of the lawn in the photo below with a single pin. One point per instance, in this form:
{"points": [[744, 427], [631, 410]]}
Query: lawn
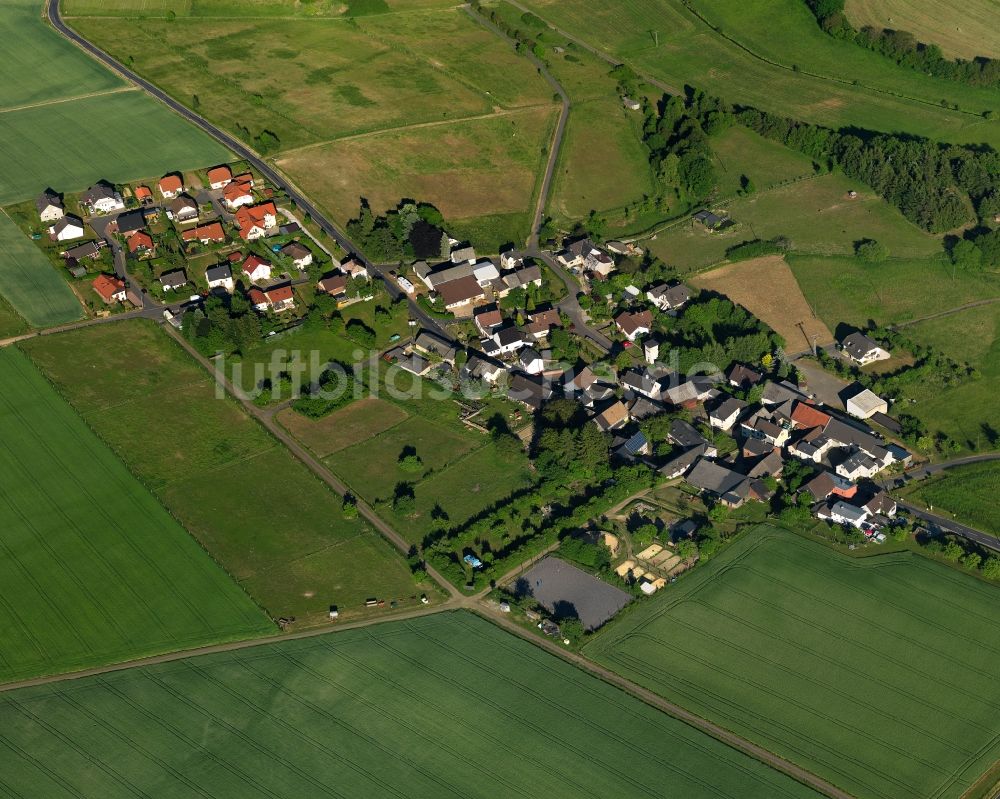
{"points": [[30, 283], [444, 706], [353, 424], [38, 66], [131, 120], [967, 492], [93, 569], [766, 287], [969, 413], [976, 33], [469, 169], [816, 213], [849, 291], [269, 521], [878, 674], [686, 50]]}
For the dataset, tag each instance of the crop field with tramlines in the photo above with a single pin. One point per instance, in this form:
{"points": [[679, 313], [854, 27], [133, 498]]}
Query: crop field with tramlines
{"points": [[444, 706], [879, 674], [92, 569]]}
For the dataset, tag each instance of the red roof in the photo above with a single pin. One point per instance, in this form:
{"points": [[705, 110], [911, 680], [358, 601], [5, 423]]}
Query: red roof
{"points": [[139, 240], [235, 256], [256, 296], [237, 189], [488, 317], [219, 174], [107, 286], [171, 183], [211, 232], [252, 262], [279, 293], [251, 216], [143, 193], [806, 416]]}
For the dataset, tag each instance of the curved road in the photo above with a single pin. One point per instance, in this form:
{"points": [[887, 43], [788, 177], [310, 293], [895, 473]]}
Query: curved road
{"points": [[241, 150]]}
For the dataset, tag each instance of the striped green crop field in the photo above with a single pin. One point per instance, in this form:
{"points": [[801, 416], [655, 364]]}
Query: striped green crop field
{"points": [[879, 674], [442, 706], [92, 569]]}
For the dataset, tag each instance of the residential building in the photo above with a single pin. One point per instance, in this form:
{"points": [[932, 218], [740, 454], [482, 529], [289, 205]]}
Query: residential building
{"points": [[237, 194], [102, 198], [529, 391], [335, 285], [220, 276], [669, 298], [300, 254], [89, 249], [479, 367], [353, 267], [725, 413], [743, 377], [143, 195], [256, 268], [651, 349], [487, 318], [212, 233], [50, 206], [460, 294], [633, 324], [171, 281], [140, 244], [280, 298], [429, 342], [863, 349], [183, 210], [857, 466], [729, 486], [170, 186], [531, 361], [463, 254], [612, 417], [254, 221], [67, 228], [219, 177], [110, 289], [509, 339]]}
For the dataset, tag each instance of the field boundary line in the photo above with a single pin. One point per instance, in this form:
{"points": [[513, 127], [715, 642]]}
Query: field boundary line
{"points": [[503, 112], [58, 100]]}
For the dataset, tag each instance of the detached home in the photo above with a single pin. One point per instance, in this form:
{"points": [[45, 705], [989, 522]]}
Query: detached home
{"points": [[863, 349], [669, 298], [50, 206], [170, 186], [110, 289], [130, 222], [220, 277], [237, 194], [508, 340], [256, 268], [487, 317], [140, 244], [724, 415], [280, 298], [335, 285], [172, 281], [219, 177], [102, 198], [67, 229], [255, 220], [301, 255], [212, 233], [634, 324], [183, 209], [458, 294]]}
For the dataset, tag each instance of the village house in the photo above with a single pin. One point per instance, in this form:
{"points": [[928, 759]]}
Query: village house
{"points": [[280, 298], [531, 361], [140, 244], [827, 484], [413, 363], [694, 389], [807, 416], [685, 436], [857, 466], [511, 260], [725, 413], [172, 281], [508, 339], [669, 298], [529, 391], [110, 289], [66, 229], [458, 295], [219, 177], [102, 198], [431, 343], [335, 285], [730, 487], [143, 195], [651, 350], [862, 349], [762, 425], [129, 223], [540, 323], [353, 267], [212, 233], [519, 278], [633, 324], [485, 272], [841, 512], [89, 249], [743, 377], [236, 194], [220, 277], [300, 255], [710, 221], [183, 210], [50, 206], [254, 221], [487, 318], [170, 186], [479, 367], [612, 417], [256, 268], [598, 263], [435, 277], [463, 254]]}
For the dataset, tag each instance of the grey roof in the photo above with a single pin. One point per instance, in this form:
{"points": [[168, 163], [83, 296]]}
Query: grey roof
{"points": [[522, 277], [431, 342], [636, 443], [88, 249], [477, 366], [684, 434], [683, 462], [48, 198], [674, 296], [709, 220], [580, 247], [849, 511], [99, 191], [849, 435], [174, 279], [771, 463], [857, 345], [295, 250], [715, 478], [460, 254], [529, 354], [643, 407], [439, 276], [777, 393], [66, 221], [508, 336], [131, 221], [527, 390], [413, 363], [221, 272], [858, 460], [727, 408]]}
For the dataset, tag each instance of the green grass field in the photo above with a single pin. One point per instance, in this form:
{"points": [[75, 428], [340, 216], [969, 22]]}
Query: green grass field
{"points": [[969, 413], [269, 521], [93, 570], [877, 674], [38, 66], [444, 706], [11, 322], [847, 290], [689, 51], [967, 492], [975, 33], [30, 283]]}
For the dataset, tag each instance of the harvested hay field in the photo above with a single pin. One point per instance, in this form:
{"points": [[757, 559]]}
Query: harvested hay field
{"points": [[974, 32], [767, 288]]}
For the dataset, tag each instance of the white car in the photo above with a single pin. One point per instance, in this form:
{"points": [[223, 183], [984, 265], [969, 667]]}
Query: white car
{"points": [[405, 284]]}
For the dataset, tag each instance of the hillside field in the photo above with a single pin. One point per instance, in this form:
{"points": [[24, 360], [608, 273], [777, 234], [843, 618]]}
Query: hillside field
{"points": [[443, 706], [688, 50], [30, 283], [878, 674], [269, 521], [92, 569], [976, 32]]}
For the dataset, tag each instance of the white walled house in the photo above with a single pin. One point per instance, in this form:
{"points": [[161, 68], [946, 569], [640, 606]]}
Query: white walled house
{"points": [[67, 229], [50, 207]]}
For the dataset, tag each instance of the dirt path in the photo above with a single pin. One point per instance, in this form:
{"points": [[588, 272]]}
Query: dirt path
{"points": [[949, 312], [59, 100]]}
